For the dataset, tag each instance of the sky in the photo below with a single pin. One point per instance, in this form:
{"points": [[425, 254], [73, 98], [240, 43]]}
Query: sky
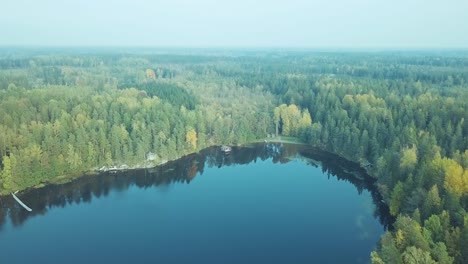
{"points": [[236, 23]]}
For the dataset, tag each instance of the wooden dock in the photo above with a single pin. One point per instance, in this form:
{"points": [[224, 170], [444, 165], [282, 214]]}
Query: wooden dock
{"points": [[21, 203]]}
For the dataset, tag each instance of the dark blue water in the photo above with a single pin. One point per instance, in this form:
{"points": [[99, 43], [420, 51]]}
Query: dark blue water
{"points": [[256, 208]]}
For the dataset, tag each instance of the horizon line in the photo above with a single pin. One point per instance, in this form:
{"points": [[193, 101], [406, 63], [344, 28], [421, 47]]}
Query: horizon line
{"points": [[238, 47]]}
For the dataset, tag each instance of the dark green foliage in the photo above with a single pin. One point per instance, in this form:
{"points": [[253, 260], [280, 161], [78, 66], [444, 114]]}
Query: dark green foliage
{"points": [[174, 94]]}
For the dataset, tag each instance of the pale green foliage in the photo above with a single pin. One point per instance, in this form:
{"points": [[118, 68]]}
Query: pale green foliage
{"points": [[91, 157], [409, 158], [414, 255], [6, 174], [306, 120], [410, 234], [375, 258], [433, 225], [440, 254], [73, 158]]}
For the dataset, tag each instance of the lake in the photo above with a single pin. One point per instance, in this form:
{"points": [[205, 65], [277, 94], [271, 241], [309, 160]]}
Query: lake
{"points": [[264, 203]]}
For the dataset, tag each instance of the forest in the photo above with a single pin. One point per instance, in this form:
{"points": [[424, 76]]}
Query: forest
{"points": [[400, 113]]}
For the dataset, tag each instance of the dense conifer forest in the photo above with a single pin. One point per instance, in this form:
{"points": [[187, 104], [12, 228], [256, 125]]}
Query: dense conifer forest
{"points": [[400, 114]]}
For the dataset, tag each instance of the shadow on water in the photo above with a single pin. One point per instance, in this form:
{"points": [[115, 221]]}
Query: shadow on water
{"points": [[185, 170]]}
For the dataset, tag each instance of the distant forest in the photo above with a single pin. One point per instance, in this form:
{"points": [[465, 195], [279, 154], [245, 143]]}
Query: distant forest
{"points": [[403, 115]]}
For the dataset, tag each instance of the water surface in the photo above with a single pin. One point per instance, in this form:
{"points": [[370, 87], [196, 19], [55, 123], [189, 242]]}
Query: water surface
{"points": [[267, 203]]}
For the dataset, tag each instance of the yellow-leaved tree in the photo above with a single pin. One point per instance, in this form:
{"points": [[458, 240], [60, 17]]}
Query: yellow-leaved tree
{"points": [[409, 158], [306, 120], [191, 138], [291, 120], [150, 74], [454, 175], [456, 179]]}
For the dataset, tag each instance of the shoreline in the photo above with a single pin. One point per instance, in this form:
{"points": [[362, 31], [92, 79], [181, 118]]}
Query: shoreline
{"points": [[62, 179], [280, 139]]}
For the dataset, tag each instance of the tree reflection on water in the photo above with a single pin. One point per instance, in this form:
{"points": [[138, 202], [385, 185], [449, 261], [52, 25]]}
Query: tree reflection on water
{"points": [[185, 170]]}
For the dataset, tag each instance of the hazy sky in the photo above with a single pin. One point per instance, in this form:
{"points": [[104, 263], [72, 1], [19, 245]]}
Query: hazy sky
{"points": [[236, 23]]}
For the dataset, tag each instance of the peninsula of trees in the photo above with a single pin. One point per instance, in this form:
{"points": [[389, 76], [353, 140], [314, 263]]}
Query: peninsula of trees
{"points": [[401, 113]]}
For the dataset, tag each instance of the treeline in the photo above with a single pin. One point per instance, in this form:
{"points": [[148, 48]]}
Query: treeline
{"points": [[403, 115], [404, 118], [183, 170], [59, 130], [413, 135]]}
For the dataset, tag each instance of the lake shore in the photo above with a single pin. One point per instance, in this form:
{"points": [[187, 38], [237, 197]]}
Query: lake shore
{"points": [[280, 139], [259, 181], [62, 179]]}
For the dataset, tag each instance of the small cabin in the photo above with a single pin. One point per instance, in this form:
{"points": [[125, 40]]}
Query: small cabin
{"points": [[225, 149]]}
